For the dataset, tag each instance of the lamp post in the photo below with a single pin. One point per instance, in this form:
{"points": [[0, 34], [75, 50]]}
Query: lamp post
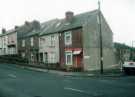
{"points": [[100, 38]]}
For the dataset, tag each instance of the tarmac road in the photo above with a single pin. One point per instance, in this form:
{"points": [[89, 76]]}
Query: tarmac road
{"points": [[20, 82]]}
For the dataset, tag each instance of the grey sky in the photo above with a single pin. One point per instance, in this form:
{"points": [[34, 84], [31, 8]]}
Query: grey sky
{"points": [[120, 14]]}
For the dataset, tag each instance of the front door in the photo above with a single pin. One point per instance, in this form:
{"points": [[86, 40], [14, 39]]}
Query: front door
{"points": [[46, 57]]}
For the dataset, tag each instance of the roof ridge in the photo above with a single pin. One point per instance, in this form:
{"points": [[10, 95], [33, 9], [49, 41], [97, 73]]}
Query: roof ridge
{"points": [[93, 11]]}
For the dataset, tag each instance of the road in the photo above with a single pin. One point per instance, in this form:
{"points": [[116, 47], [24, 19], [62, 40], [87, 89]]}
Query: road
{"points": [[20, 82]]}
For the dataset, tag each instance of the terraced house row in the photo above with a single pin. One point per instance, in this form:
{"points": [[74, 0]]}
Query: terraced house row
{"points": [[71, 42]]}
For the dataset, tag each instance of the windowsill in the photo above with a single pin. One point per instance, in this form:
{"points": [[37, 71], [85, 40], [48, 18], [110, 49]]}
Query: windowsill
{"points": [[51, 46]]}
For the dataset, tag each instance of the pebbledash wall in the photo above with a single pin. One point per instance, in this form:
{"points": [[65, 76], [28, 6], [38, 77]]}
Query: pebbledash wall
{"points": [[49, 48], [91, 44]]}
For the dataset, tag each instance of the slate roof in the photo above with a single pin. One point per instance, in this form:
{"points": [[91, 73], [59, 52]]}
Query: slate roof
{"points": [[50, 26], [23, 30], [56, 25], [8, 32], [59, 25]]}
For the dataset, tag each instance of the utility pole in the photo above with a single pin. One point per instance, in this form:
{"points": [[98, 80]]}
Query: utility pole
{"points": [[100, 38], [132, 50]]}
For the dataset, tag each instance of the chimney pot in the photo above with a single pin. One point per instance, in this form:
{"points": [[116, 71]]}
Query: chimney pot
{"points": [[36, 24]]}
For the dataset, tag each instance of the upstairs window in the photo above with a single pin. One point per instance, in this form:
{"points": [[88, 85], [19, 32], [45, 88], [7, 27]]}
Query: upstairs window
{"points": [[68, 38], [41, 41], [23, 54], [52, 40], [31, 41], [23, 43]]}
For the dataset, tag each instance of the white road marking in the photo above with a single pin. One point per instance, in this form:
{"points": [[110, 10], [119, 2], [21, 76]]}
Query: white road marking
{"points": [[84, 92], [76, 90], [12, 75]]}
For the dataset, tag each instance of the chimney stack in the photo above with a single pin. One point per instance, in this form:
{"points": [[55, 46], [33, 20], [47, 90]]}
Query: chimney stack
{"points": [[36, 25], [3, 30], [27, 23], [16, 27], [69, 16]]}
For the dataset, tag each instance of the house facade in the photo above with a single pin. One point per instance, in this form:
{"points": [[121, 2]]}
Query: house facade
{"points": [[0, 45], [28, 43], [49, 48], [80, 42], [123, 53], [91, 43], [31, 49], [8, 42], [71, 49], [49, 42], [72, 42], [12, 42], [4, 42]]}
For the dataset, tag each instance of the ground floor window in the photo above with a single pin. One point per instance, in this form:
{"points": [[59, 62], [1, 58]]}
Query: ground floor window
{"points": [[23, 54], [46, 57], [12, 50], [32, 57], [52, 57], [41, 57], [69, 57]]}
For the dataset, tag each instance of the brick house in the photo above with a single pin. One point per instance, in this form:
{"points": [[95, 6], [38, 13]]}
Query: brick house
{"points": [[79, 44], [27, 36], [71, 46]]}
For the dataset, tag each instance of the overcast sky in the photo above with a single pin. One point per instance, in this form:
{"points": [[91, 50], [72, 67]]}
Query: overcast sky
{"points": [[120, 14]]}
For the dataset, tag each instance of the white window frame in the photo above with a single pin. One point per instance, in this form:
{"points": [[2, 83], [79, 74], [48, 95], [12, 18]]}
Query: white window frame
{"points": [[23, 54], [68, 34], [32, 57], [52, 57], [71, 54], [32, 41], [52, 40], [23, 43], [42, 41]]}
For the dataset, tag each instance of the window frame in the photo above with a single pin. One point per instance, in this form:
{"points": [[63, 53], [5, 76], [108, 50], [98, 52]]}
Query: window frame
{"points": [[31, 57], [23, 54], [52, 40], [23, 43], [68, 34], [52, 57], [32, 41], [67, 53]]}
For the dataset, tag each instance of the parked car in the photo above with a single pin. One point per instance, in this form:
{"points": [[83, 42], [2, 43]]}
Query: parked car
{"points": [[129, 67]]}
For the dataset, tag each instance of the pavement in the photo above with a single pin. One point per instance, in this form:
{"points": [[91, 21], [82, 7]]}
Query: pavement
{"points": [[76, 74], [23, 82]]}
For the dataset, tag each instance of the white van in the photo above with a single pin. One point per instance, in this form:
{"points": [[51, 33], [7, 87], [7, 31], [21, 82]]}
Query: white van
{"points": [[129, 67]]}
